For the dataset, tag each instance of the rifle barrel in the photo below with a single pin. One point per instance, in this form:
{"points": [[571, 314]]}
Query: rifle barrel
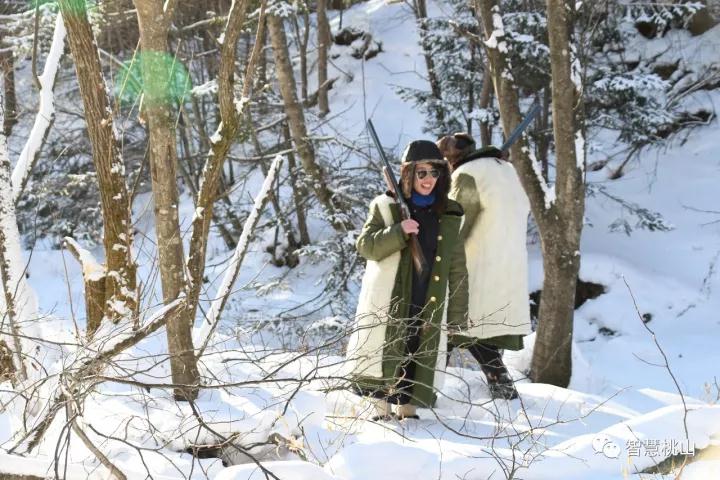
{"points": [[534, 110]]}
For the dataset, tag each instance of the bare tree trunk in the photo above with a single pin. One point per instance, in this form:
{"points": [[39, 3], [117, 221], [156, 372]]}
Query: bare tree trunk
{"points": [[45, 116], [290, 258], [470, 92], [553, 344], [296, 122], [154, 23], [94, 280], [10, 98], [543, 143], [508, 103], [16, 295], [300, 193], [421, 15], [120, 287], [558, 214], [484, 102], [222, 140], [191, 177], [303, 36], [324, 43], [261, 74]]}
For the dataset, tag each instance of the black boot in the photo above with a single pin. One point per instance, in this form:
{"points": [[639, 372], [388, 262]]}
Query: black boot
{"points": [[502, 387], [499, 380]]}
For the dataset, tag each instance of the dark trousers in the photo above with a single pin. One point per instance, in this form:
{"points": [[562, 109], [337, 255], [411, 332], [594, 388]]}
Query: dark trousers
{"points": [[406, 370], [488, 356], [402, 391]]}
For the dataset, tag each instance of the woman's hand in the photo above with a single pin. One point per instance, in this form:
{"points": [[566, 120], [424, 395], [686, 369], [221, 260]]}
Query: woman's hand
{"points": [[410, 226]]}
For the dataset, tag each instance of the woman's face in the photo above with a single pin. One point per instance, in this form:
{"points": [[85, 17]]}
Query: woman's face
{"points": [[426, 175]]}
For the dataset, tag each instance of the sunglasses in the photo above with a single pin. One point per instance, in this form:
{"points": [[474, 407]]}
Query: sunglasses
{"points": [[420, 174]]}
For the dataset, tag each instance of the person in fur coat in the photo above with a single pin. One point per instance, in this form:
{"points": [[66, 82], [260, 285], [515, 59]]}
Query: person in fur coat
{"points": [[494, 234], [397, 349]]}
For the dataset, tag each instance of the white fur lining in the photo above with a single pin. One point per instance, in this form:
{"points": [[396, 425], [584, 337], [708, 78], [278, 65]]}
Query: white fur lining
{"points": [[365, 347], [496, 252]]}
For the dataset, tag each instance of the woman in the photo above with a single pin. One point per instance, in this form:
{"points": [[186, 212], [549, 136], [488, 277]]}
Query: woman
{"points": [[397, 347], [494, 233]]}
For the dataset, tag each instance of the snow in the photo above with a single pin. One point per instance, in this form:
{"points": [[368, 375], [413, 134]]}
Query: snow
{"points": [[13, 283], [216, 137], [580, 151], [91, 269], [496, 39], [619, 394], [548, 192], [290, 470], [206, 89]]}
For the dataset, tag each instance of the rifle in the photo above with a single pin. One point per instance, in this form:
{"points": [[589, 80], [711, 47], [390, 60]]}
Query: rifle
{"points": [[483, 152], [415, 249]]}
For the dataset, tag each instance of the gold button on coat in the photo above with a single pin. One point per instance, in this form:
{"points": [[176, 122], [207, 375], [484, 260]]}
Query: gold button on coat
{"points": [[438, 258], [439, 237], [437, 278], [432, 299]]}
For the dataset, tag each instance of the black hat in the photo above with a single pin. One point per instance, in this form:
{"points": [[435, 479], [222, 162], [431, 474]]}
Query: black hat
{"points": [[422, 151]]}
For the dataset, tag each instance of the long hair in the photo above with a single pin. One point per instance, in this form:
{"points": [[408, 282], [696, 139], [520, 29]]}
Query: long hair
{"points": [[442, 185]]}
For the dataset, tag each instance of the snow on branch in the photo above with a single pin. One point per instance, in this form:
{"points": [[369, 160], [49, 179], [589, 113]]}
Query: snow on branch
{"points": [[497, 36], [233, 268], [129, 336], [576, 77], [46, 111], [94, 277], [548, 193], [91, 360], [91, 269], [17, 301]]}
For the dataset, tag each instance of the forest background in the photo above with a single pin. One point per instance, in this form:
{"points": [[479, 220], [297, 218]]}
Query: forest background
{"points": [[182, 186]]}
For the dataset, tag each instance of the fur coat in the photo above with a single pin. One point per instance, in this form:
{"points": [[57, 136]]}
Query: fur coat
{"points": [[377, 342], [494, 232]]}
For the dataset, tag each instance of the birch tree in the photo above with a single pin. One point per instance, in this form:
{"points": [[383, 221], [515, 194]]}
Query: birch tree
{"points": [[558, 209], [7, 67], [18, 303], [420, 9], [46, 112]]}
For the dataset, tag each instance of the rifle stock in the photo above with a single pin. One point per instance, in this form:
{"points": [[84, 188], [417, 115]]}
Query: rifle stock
{"points": [[415, 249], [417, 255]]}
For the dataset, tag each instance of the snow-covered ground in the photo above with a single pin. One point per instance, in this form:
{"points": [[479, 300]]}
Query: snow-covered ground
{"points": [[622, 413]]}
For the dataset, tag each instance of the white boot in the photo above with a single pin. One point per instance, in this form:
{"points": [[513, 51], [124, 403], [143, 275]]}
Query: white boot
{"points": [[407, 410], [379, 409]]}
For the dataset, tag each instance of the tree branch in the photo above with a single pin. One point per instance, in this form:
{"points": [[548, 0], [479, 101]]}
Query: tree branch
{"points": [[89, 366], [235, 263]]}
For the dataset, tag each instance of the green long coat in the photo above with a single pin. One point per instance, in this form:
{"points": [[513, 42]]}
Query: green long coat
{"points": [[377, 345]]}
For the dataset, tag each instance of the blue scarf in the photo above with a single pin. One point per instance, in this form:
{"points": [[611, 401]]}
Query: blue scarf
{"points": [[420, 200]]}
